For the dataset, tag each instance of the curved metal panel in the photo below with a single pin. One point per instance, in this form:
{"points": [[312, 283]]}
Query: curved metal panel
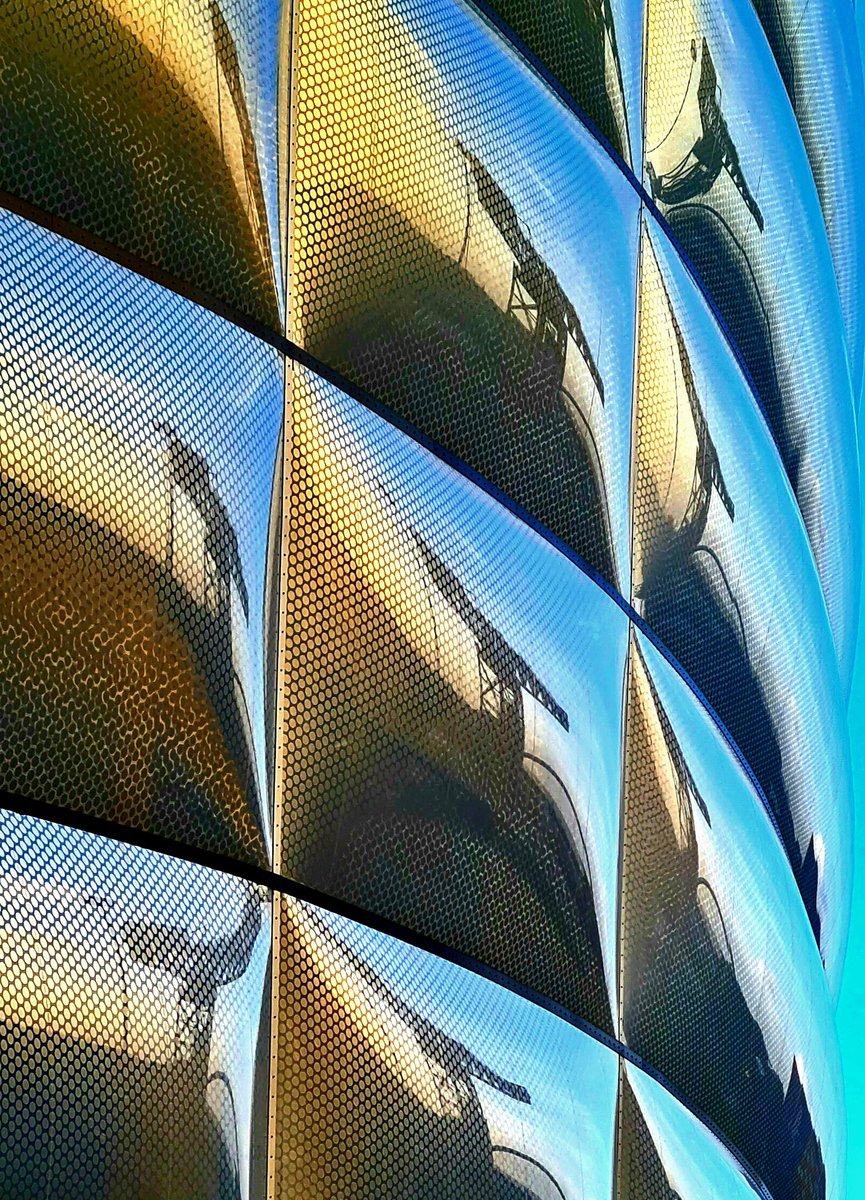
{"points": [[133, 1060], [138, 438], [724, 576], [817, 52], [149, 124], [722, 989], [590, 48], [398, 1074], [665, 1153], [464, 251], [725, 163], [451, 723]]}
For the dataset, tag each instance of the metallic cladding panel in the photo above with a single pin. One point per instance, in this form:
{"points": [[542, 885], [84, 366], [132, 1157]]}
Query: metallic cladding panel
{"points": [[723, 574], [664, 1152], [452, 697], [580, 43], [133, 1008], [149, 124], [185, 1037], [246, 614], [396, 1073], [139, 435], [817, 52], [463, 250], [722, 990], [724, 161]]}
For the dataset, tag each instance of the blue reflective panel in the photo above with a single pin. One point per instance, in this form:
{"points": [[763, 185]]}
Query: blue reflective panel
{"points": [[399, 1074], [817, 52], [724, 161], [150, 124], [138, 436], [722, 988], [463, 250], [133, 1061], [451, 720], [724, 575], [665, 1153]]}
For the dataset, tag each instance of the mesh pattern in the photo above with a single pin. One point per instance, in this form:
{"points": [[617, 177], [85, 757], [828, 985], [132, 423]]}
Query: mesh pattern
{"points": [[641, 1174], [712, 996], [131, 992], [133, 539], [398, 1075], [725, 162], [444, 760], [817, 52], [135, 122], [724, 576], [430, 268], [577, 42]]}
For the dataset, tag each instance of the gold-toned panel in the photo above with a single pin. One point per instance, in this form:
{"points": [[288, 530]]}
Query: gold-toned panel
{"points": [[134, 122], [433, 261], [132, 542]]}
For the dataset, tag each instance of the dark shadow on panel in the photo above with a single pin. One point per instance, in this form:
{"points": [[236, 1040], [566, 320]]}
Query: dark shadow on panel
{"points": [[683, 1006]]}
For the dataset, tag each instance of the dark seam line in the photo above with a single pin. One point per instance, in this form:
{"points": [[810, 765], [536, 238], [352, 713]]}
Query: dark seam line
{"points": [[127, 835], [297, 354]]}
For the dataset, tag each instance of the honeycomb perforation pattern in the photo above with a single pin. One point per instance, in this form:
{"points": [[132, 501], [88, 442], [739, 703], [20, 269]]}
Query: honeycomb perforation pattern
{"points": [[129, 120], [124, 601]]}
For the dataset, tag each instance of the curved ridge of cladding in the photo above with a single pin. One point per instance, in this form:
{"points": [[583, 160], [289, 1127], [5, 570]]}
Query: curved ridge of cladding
{"points": [[463, 250], [450, 733], [149, 124], [817, 52], [133, 540], [723, 574], [722, 990], [725, 164]]}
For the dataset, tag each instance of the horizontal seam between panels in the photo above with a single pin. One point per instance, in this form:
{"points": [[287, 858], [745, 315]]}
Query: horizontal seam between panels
{"points": [[295, 353], [261, 876]]}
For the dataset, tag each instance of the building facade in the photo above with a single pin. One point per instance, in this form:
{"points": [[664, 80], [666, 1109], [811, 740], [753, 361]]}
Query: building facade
{"points": [[429, 568]]}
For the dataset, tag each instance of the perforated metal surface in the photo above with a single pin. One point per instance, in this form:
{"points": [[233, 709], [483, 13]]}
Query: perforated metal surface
{"points": [[131, 989], [451, 749], [725, 163], [138, 451], [450, 227], [723, 574], [149, 125], [722, 990], [242, 613]]}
